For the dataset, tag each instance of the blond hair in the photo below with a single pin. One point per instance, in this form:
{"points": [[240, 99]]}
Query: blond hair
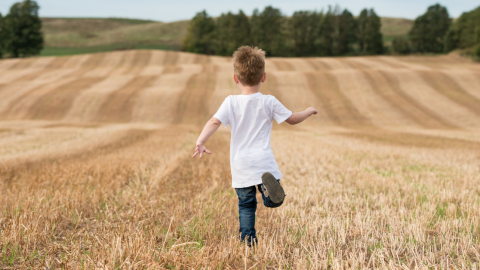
{"points": [[249, 65]]}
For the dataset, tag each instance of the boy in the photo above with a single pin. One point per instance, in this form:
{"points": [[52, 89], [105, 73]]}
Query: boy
{"points": [[250, 116]]}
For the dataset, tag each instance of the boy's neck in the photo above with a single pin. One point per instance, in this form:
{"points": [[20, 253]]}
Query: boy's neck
{"points": [[249, 90]]}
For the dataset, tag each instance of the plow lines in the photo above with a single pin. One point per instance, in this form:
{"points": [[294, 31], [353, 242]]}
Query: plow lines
{"points": [[378, 91]]}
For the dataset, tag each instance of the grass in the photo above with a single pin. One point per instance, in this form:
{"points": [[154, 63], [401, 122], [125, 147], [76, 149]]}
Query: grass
{"points": [[96, 168], [395, 26], [145, 204], [63, 51], [94, 32]]}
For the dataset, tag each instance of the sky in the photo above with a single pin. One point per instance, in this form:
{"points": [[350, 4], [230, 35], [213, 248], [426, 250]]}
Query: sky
{"points": [[174, 10]]}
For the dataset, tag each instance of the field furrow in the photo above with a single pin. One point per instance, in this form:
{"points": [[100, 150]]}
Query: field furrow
{"points": [[451, 90], [56, 103], [429, 117], [417, 88], [159, 102], [118, 106], [382, 88], [192, 106], [337, 106], [18, 107]]}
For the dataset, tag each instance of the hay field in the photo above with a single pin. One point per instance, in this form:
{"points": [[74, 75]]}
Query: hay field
{"points": [[95, 167]]}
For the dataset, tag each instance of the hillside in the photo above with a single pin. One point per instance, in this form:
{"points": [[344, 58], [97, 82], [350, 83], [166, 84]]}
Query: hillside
{"points": [[421, 92], [65, 36]]}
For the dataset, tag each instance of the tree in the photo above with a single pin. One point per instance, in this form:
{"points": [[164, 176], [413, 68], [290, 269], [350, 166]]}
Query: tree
{"points": [[464, 32], [304, 28], [232, 31], [428, 31], [2, 36], [337, 32], [23, 36], [268, 31], [200, 34], [400, 45], [370, 40]]}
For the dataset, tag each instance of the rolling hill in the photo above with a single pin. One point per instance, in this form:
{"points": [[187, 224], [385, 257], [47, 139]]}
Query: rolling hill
{"points": [[422, 92], [66, 36]]}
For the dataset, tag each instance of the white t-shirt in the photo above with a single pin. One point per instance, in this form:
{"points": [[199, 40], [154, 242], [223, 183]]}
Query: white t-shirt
{"points": [[250, 118]]}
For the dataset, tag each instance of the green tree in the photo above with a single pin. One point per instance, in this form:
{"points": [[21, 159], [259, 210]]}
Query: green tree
{"points": [[337, 32], [304, 29], [268, 31], [2, 36], [428, 31], [23, 36], [200, 34], [400, 45], [464, 32], [232, 31], [370, 40]]}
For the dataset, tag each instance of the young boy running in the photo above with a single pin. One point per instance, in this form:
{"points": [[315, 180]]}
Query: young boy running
{"points": [[250, 116]]}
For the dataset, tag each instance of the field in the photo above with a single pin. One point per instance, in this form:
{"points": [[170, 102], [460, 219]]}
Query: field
{"points": [[96, 169], [70, 36]]}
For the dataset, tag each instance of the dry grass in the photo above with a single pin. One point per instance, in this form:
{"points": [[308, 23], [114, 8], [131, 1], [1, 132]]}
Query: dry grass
{"points": [[81, 32], [107, 182]]}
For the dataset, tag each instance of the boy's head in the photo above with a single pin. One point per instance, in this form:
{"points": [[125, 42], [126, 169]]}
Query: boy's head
{"points": [[249, 65]]}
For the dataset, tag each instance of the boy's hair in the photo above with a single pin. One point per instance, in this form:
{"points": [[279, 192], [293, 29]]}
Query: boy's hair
{"points": [[249, 65]]}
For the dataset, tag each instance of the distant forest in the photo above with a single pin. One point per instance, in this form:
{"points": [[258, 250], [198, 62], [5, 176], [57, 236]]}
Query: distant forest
{"points": [[335, 32]]}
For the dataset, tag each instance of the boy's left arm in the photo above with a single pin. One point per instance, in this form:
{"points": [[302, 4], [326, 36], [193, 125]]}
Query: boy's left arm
{"points": [[210, 128]]}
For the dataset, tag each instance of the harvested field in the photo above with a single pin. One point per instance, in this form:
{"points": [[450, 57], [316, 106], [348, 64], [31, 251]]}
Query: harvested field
{"points": [[96, 169]]}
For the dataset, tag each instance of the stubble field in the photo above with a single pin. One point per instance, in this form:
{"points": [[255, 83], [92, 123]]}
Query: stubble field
{"points": [[95, 167]]}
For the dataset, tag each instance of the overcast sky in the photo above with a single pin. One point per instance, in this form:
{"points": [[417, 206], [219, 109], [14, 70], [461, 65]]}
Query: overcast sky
{"points": [[173, 10]]}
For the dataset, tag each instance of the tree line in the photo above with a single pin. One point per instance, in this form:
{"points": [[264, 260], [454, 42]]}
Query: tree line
{"points": [[436, 32], [335, 32], [20, 30], [307, 33]]}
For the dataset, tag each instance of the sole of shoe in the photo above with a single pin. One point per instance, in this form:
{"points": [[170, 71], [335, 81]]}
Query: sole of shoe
{"points": [[275, 190]]}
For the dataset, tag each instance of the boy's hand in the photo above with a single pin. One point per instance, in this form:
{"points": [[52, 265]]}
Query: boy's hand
{"points": [[200, 149], [311, 111], [298, 117]]}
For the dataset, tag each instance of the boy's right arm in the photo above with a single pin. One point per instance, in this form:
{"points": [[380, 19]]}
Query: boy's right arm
{"points": [[210, 128], [298, 117]]}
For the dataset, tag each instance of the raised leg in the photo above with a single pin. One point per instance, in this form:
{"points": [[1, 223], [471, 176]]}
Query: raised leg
{"points": [[266, 200]]}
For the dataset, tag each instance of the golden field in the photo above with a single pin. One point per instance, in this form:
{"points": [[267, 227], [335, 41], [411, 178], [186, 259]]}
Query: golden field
{"points": [[96, 169]]}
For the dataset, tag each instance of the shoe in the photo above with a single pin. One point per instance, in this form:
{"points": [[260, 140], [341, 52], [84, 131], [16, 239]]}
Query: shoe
{"points": [[274, 190], [253, 242]]}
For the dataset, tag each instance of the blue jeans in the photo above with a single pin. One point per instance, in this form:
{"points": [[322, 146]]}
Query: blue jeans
{"points": [[247, 206]]}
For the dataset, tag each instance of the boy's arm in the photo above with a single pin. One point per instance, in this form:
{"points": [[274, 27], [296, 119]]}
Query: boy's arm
{"points": [[298, 117], [210, 128]]}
